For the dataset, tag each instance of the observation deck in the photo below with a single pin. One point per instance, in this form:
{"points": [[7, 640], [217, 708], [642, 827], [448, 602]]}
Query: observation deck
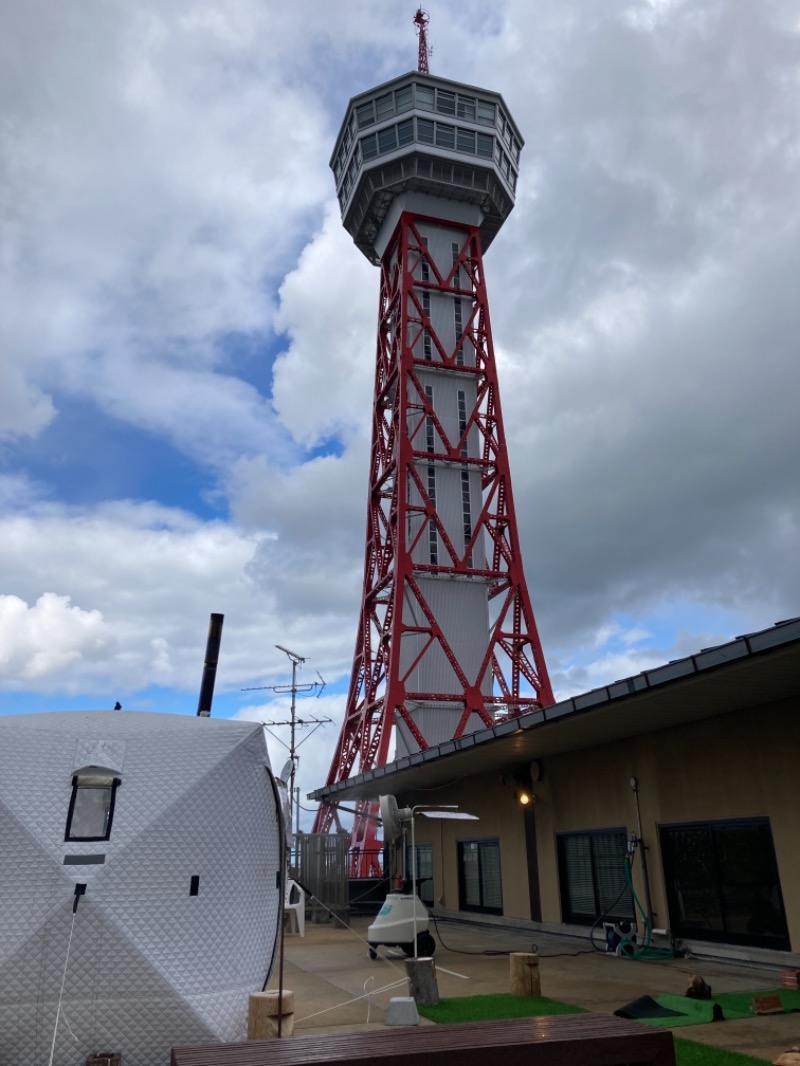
{"points": [[424, 134]]}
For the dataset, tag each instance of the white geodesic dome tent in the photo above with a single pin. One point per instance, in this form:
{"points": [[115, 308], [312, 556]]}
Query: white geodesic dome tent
{"points": [[171, 825]]}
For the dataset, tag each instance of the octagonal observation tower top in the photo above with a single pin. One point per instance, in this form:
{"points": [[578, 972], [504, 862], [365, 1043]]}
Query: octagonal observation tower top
{"points": [[429, 136]]}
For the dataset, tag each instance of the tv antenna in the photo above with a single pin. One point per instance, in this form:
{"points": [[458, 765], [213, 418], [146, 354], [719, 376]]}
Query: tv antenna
{"points": [[305, 689]]}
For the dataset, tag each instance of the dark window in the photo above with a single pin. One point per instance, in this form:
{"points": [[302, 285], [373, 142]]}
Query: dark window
{"points": [[486, 113], [446, 102], [430, 433], [91, 807], [426, 273], [405, 132], [424, 871], [384, 106], [369, 146], [365, 114], [466, 141], [591, 871], [387, 139], [445, 136], [722, 883], [485, 145], [424, 131], [466, 107], [479, 883], [433, 537], [403, 100], [424, 98]]}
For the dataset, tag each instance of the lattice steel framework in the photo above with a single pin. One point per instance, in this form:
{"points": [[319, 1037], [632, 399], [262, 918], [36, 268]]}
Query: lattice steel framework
{"points": [[411, 436]]}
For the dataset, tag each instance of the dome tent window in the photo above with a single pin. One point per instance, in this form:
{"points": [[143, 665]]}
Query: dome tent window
{"points": [[91, 807]]}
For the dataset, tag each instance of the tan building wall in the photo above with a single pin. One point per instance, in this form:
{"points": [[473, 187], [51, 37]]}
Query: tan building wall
{"points": [[501, 817], [739, 765]]}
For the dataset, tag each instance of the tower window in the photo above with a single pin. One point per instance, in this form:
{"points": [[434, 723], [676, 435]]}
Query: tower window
{"points": [[91, 807], [403, 100], [466, 107], [486, 112], [485, 145], [465, 140], [462, 420], [454, 248], [365, 114], [387, 139], [425, 131], [466, 507], [430, 433], [369, 146], [445, 135], [384, 106], [405, 132], [424, 97], [446, 102], [433, 539], [427, 346]]}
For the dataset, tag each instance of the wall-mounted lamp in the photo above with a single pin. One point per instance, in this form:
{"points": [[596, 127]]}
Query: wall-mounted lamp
{"points": [[521, 778]]}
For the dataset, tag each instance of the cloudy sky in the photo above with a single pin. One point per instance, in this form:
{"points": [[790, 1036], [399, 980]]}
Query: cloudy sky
{"points": [[186, 335]]}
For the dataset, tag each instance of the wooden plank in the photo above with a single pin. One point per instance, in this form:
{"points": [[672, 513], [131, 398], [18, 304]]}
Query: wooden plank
{"points": [[561, 1040], [767, 1005]]}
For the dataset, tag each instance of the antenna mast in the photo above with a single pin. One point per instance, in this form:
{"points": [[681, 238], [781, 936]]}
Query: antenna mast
{"points": [[421, 20]]}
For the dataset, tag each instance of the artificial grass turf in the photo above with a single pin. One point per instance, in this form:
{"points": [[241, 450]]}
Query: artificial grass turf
{"points": [[732, 1005], [689, 1053], [486, 1008], [737, 1004]]}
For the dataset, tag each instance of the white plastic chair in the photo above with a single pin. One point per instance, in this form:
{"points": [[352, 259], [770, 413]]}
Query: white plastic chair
{"points": [[294, 906]]}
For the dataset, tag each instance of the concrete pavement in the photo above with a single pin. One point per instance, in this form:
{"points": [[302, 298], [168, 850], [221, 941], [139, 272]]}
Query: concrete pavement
{"points": [[337, 988]]}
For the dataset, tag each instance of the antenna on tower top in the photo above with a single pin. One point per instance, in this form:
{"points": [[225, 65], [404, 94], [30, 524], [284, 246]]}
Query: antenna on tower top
{"points": [[421, 20]]}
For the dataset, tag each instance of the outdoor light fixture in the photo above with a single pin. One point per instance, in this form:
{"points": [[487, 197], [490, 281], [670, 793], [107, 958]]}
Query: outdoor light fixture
{"points": [[521, 778]]}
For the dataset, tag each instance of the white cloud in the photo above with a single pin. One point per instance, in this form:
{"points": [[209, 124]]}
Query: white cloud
{"points": [[323, 384], [153, 187], [164, 189], [45, 638]]}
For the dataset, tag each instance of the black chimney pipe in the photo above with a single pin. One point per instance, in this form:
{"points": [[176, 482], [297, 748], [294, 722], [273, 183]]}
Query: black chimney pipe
{"points": [[210, 665]]}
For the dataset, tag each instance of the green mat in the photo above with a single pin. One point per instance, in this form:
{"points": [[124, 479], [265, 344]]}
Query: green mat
{"points": [[480, 1008], [499, 1005], [732, 1005]]}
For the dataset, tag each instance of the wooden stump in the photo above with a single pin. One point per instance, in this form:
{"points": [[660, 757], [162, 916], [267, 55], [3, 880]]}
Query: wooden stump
{"points": [[422, 984], [525, 979], [265, 1011]]}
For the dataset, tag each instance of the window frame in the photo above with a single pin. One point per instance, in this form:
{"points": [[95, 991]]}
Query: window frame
{"points": [[726, 933], [616, 910], [482, 844], [91, 781], [424, 870]]}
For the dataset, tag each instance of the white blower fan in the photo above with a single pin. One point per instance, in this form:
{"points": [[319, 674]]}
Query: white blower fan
{"points": [[403, 919]]}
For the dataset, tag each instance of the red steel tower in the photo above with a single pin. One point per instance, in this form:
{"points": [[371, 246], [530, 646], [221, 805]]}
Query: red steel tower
{"points": [[426, 171]]}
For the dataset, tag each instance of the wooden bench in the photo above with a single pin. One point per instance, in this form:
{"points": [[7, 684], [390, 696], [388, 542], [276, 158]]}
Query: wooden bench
{"points": [[555, 1040]]}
